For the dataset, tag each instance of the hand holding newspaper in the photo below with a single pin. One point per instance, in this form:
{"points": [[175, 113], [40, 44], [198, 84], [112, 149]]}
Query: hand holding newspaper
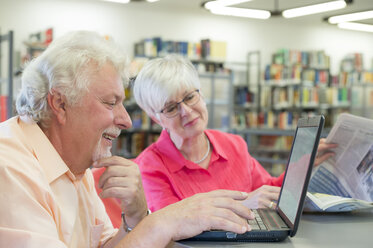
{"points": [[348, 174]]}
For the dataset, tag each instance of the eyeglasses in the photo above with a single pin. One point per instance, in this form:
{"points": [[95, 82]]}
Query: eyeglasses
{"points": [[173, 109]]}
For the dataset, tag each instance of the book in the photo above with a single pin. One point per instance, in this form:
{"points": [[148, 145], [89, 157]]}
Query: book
{"points": [[345, 181]]}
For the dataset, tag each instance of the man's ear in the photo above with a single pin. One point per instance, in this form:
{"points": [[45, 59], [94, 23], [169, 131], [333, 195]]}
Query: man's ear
{"points": [[57, 103]]}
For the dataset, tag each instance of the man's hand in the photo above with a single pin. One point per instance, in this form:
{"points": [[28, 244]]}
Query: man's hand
{"points": [[324, 151], [220, 209], [122, 180]]}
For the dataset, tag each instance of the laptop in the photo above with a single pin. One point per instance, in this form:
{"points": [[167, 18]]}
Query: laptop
{"points": [[277, 224]]}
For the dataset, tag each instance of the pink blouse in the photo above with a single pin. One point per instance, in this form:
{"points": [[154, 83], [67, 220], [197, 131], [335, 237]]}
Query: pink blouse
{"points": [[168, 177]]}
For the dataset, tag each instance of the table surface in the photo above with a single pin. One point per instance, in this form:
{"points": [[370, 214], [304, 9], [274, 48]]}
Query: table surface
{"points": [[353, 229]]}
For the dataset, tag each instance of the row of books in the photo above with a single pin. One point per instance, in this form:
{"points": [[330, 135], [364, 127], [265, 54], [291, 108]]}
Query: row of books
{"points": [[140, 120], [296, 73], [284, 120], [282, 72], [362, 97], [130, 145], [310, 97], [205, 49], [352, 78], [317, 77], [244, 97], [314, 59], [271, 147], [352, 63]]}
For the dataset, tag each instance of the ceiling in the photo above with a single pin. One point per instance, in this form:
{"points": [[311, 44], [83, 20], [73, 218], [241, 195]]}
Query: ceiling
{"points": [[355, 6]]}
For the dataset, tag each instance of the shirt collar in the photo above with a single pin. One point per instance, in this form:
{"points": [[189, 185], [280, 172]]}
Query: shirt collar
{"points": [[175, 160], [218, 148], [43, 150]]}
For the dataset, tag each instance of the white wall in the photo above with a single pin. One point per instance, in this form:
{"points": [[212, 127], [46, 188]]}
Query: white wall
{"points": [[128, 24]]}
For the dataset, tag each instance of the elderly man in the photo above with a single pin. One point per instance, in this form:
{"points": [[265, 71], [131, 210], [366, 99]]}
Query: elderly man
{"points": [[70, 111]]}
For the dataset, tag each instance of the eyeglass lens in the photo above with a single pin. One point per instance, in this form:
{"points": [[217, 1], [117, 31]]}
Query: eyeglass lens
{"points": [[172, 109]]}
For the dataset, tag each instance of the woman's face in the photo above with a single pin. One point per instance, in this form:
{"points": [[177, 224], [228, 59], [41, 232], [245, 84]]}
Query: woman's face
{"points": [[190, 120]]}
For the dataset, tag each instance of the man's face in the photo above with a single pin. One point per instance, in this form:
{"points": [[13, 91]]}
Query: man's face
{"points": [[97, 121]]}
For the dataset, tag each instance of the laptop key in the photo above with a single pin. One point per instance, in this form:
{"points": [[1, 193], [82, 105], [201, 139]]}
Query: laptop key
{"points": [[257, 223], [253, 224], [262, 226], [269, 218], [255, 227]]}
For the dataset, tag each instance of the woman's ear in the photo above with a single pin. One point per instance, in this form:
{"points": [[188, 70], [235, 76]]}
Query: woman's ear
{"points": [[155, 119], [57, 103]]}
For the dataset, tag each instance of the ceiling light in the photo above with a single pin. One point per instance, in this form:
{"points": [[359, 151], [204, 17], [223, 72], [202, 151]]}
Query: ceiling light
{"points": [[127, 1], [117, 1], [356, 26], [223, 3], [241, 12], [314, 9], [351, 17]]}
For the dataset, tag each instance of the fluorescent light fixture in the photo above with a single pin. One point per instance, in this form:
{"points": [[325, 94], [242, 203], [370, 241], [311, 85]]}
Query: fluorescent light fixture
{"points": [[152, 1], [219, 7], [117, 1], [314, 9], [351, 17], [223, 3], [241, 12], [356, 26]]}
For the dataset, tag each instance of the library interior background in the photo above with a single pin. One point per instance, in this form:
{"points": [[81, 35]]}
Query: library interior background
{"points": [[258, 76]]}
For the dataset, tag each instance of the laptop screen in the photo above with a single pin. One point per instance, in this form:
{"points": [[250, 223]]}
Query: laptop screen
{"points": [[292, 188]]}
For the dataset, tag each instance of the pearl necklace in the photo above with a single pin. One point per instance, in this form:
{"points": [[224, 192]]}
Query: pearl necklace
{"points": [[204, 156]]}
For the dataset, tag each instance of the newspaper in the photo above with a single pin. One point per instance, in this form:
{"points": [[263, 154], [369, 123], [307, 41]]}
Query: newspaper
{"points": [[350, 172], [319, 202]]}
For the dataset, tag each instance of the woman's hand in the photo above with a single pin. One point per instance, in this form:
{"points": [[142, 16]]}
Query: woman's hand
{"points": [[263, 197], [324, 151]]}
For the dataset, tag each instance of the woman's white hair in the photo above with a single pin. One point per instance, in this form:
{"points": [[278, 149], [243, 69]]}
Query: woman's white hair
{"points": [[162, 78], [66, 66]]}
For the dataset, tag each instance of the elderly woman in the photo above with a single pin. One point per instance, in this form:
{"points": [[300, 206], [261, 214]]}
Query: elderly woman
{"points": [[188, 158]]}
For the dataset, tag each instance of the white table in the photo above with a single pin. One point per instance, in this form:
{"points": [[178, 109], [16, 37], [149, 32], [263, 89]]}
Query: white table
{"points": [[327, 230]]}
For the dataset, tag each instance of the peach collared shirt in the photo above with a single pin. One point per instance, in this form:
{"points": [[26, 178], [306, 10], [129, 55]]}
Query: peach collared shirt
{"points": [[42, 204]]}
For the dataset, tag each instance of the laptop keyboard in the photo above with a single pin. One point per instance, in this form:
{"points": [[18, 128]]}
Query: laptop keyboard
{"points": [[271, 218], [257, 223]]}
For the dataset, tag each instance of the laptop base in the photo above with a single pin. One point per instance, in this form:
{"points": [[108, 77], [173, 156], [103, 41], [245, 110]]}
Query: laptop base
{"points": [[252, 236]]}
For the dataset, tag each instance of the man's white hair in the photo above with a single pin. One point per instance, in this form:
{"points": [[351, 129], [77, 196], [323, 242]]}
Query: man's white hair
{"points": [[66, 66]]}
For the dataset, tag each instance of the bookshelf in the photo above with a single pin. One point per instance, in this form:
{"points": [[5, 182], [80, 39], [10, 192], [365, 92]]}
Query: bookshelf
{"points": [[6, 82], [10, 83], [34, 49], [296, 84], [36, 43], [217, 91], [359, 82], [207, 55]]}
